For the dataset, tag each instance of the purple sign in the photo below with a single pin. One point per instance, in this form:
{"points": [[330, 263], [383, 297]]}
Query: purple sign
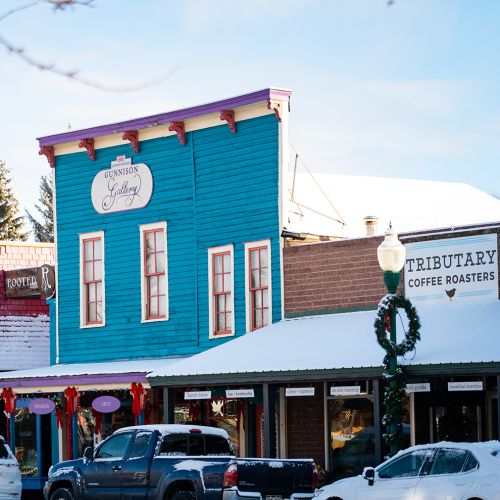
{"points": [[106, 404], [41, 406]]}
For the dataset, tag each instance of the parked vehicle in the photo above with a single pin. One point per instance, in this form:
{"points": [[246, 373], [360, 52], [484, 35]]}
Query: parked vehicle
{"points": [[10, 475], [441, 471], [176, 462]]}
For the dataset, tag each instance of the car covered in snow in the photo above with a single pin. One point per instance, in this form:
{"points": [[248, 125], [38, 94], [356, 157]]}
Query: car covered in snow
{"points": [[440, 471], [10, 475], [176, 462]]}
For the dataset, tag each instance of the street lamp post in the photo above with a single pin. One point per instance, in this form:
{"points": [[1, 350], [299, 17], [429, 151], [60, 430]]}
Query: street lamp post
{"points": [[391, 256]]}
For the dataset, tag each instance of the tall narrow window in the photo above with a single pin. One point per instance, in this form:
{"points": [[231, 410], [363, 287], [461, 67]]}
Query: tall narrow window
{"points": [[221, 283], [92, 279], [258, 284], [154, 272]]}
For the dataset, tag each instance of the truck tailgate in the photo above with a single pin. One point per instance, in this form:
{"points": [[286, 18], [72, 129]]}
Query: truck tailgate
{"points": [[274, 477]]}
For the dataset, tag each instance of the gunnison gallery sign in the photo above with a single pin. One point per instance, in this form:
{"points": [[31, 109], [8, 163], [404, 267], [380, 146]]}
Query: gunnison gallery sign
{"points": [[124, 186], [452, 270]]}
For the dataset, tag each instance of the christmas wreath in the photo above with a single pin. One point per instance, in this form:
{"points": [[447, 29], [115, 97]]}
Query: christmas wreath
{"points": [[395, 382]]}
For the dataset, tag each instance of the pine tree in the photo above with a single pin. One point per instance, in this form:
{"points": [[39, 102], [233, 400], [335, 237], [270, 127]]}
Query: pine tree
{"points": [[11, 223], [44, 231]]}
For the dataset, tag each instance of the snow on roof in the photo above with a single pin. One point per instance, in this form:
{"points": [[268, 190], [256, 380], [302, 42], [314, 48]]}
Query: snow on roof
{"points": [[24, 342], [411, 205], [455, 333], [143, 366]]}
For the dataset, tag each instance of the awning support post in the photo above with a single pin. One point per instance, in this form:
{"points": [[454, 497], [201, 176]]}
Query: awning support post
{"points": [[269, 422], [168, 406]]}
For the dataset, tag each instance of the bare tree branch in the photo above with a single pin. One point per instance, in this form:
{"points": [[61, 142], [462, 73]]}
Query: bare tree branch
{"points": [[74, 75]]}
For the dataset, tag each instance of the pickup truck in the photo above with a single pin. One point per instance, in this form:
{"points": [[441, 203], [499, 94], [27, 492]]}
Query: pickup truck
{"points": [[176, 462]]}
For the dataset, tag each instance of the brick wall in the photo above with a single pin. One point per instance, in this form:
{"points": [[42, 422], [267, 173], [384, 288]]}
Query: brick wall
{"points": [[334, 275], [20, 255], [305, 428]]}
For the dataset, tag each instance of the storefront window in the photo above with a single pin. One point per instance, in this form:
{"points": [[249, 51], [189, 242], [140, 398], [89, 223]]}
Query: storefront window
{"points": [[352, 436], [25, 432]]}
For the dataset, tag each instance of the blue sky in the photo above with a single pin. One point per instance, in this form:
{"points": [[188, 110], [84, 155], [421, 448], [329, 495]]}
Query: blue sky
{"points": [[409, 90]]}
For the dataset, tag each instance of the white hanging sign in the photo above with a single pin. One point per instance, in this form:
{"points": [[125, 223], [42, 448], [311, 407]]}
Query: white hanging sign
{"points": [[452, 270], [465, 386], [423, 387], [239, 393], [198, 395], [345, 390], [123, 186], [299, 391]]}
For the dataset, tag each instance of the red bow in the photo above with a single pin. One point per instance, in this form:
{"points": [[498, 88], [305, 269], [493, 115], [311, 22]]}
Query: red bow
{"points": [[59, 417], [138, 392], [10, 400], [71, 395]]}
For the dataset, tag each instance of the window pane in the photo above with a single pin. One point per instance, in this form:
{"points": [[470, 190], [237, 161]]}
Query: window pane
{"points": [[92, 312], [258, 319], [150, 242], [97, 250], [263, 277], [174, 444], [160, 262], [196, 446], [89, 271], [448, 461], [216, 445], [220, 325], [140, 445], [217, 264], [153, 285], [408, 465], [98, 270], [263, 258], [254, 259], [229, 321], [160, 241], [471, 463], [115, 446], [227, 282], [98, 291], [92, 293], [99, 312], [258, 299], [153, 307], [227, 263], [162, 306], [265, 298], [150, 263], [88, 250], [218, 283], [221, 303], [255, 278], [162, 284]]}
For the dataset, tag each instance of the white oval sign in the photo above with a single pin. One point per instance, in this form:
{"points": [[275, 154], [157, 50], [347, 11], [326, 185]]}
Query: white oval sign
{"points": [[124, 186]]}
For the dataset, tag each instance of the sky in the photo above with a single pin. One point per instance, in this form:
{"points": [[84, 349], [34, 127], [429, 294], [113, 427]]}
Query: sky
{"points": [[405, 90]]}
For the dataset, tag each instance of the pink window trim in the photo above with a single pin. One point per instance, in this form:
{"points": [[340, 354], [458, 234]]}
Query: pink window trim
{"points": [[225, 293], [260, 288], [147, 275], [87, 283]]}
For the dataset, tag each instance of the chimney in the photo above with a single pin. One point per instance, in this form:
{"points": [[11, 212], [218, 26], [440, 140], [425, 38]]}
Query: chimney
{"points": [[370, 224]]}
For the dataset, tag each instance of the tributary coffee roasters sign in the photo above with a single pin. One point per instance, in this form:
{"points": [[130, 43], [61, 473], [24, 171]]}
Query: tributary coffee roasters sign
{"points": [[33, 282], [124, 186], [452, 270]]}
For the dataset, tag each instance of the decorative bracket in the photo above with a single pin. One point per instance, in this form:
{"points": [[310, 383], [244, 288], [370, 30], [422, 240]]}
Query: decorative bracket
{"points": [[49, 152], [133, 137], [275, 105], [228, 116], [179, 129], [88, 144]]}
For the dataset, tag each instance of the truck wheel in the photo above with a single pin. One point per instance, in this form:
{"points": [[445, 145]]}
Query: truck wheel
{"points": [[62, 494], [183, 495]]}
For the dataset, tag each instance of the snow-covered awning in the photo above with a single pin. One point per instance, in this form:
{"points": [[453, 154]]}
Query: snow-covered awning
{"points": [[344, 345], [116, 373]]}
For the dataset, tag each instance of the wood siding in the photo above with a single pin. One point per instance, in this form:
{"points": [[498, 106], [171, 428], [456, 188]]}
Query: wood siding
{"points": [[219, 188]]}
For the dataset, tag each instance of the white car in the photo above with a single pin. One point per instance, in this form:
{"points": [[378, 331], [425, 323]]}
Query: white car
{"points": [[10, 475], [440, 471]]}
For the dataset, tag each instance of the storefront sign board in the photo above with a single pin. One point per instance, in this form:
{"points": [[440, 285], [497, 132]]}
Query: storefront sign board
{"points": [[123, 186], [41, 406], [299, 391], [240, 393], [31, 282], [465, 386], [423, 387], [452, 270], [198, 395], [106, 404], [346, 390]]}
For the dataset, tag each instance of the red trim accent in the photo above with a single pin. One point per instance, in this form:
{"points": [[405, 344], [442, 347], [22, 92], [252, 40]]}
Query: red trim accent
{"points": [[88, 144], [133, 137], [179, 129], [49, 152], [220, 324], [91, 281], [276, 107], [228, 116], [154, 275]]}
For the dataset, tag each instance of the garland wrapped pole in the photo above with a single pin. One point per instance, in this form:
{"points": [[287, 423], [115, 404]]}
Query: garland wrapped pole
{"points": [[391, 255]]}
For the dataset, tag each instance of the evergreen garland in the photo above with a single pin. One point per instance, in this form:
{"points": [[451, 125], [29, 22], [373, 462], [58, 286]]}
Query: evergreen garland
{"points": [[395, 382]]}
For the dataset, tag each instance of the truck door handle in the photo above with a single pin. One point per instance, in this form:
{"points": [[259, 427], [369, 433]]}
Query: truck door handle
{"points": [[117, 467]]}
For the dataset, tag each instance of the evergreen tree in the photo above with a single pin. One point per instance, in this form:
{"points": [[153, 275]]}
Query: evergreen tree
{"points": [[44, 231], [11, 223]]}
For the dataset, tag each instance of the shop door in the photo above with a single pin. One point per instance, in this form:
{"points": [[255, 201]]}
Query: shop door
{"points": [[351, 435]]}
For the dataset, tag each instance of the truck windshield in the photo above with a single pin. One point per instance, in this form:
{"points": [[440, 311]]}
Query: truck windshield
{"points": [[194, 445]]}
